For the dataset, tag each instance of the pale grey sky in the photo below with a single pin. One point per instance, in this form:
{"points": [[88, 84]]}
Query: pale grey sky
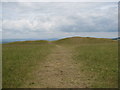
{"points": [[58, 20]]}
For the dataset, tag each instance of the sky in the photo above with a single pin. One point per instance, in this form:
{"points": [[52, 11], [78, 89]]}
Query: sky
{"points": [[44, 20]]}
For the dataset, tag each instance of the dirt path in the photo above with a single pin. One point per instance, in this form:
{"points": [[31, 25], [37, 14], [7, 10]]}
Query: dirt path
{"points": [[59, 71]]}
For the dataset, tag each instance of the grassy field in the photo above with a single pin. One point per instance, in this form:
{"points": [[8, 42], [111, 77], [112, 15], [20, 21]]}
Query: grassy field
{"points": [[97, 60], [20, 58], [99, 63]]}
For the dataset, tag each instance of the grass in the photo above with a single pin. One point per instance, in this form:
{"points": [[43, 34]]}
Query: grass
{"points": [[77, 41], [20, 59], [97, 60]]}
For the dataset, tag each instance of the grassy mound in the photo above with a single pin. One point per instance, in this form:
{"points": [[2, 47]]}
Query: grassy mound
{"points": [[82, 40]]}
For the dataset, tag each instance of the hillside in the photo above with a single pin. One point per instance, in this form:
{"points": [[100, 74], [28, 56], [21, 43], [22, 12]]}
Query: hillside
{"points": [[70, 40], [83, 40], [75, 62]]}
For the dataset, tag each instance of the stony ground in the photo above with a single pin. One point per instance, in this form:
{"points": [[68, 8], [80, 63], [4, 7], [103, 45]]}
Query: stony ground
{"points": [[58, 71]]}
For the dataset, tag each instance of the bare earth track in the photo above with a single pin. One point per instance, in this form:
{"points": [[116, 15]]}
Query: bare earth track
{"points": [[58, 71]]}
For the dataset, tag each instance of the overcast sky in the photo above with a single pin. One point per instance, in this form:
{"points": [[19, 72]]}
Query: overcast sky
{"points": [[59, 20]]}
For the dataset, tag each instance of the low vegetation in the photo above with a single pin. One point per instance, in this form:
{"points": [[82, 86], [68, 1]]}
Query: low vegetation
{"points": [[97, 60], [20, 59], [99, 63]]}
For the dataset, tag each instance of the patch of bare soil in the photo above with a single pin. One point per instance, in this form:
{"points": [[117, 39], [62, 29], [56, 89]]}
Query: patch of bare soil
{"points": [[58, 71]]}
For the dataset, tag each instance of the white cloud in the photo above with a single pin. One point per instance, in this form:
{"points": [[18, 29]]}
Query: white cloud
{"points": [[25, 19]]}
